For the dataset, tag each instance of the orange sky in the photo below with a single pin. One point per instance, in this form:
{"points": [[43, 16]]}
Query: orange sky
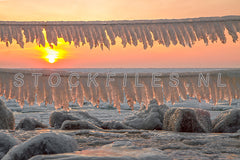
{"points": [[214, 55]]}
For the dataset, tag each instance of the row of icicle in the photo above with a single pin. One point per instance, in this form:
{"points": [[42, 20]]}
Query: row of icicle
{"points": [[104, 33], [63, 94]]}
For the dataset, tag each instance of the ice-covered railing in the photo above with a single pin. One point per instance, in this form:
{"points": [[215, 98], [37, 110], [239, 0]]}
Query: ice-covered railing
{"points": [[104, 33], [212, 87]]}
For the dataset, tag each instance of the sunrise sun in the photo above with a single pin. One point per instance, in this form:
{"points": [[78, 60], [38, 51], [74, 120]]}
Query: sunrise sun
{"points": [[50, 52], [52, 55]]}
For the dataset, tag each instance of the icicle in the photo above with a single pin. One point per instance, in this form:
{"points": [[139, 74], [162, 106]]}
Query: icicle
{"points": [[165, 36], [26, 34], [102, 89], [138, 36], [172, 35], [211, 32], [9, 38], [231, 31], [82, 36], [182, 89], [220, 32], [179, 35], [32, 34], [111, 34], [122, 35], [148, 35], [153, 29], [199, 33], [88, 36], [185, 35], [160, 36], [69, 34], [49, 35], [166, 89], [191, 33], [134, 36], [129, 91], [148, 88], [143, 38], [96, 36], [76, 38], [158, 94], [2, 33], [41, 36], [105, 40], [127, 35]]}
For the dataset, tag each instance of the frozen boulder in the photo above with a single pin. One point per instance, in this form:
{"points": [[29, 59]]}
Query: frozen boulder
{"points": [[7, 120], [30, 124], [46, 143], [6, 143], [78, 124], [187, 120], [57, 118], [86, 117], [149, 119], [114, 125], [227, 121]]}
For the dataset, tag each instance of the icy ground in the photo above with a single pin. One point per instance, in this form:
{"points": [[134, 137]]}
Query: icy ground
{"points": [[138, 143]]}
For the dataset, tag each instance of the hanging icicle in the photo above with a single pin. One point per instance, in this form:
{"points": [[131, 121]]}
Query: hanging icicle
{"points": [[143, 87], [103, 33]]}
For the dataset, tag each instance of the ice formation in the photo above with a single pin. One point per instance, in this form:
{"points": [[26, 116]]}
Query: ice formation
{"points": [[104, 33], [214, 87]]}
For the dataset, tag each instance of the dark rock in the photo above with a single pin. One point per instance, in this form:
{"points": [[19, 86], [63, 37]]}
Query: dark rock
{"points": [[79, 124], [114, 125], [187, 120], [227, 121], [57, 118], [6, 143], [30, 124], [149, 119], [7, 120], [46, 143]]}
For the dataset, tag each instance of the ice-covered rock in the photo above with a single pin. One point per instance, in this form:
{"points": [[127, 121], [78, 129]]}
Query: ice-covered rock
{"points": [[187, 120], [57, 118], [46, 143], [227, 121], [6, 143], [78, 124], [114, 125], [7, 119], [149, 119], [87, 117], [30, 124]]}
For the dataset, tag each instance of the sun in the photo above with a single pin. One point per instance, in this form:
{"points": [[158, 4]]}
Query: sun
{"points": [[52, 55], [50, 52]]}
